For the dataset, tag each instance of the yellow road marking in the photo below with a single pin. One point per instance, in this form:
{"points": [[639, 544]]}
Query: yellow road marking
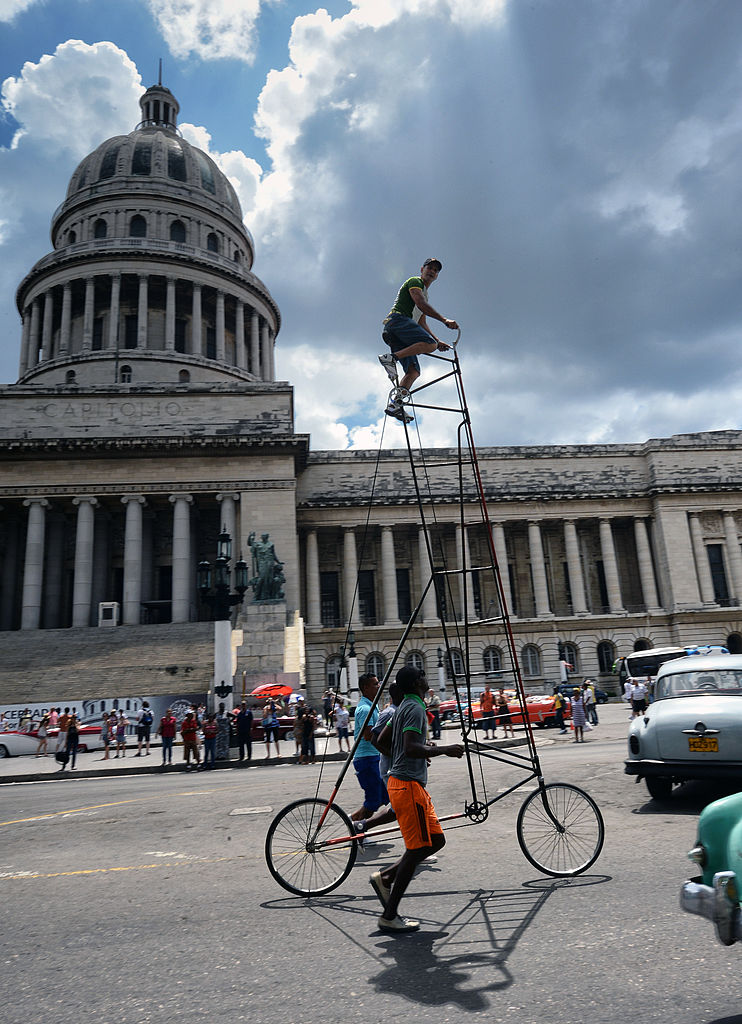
{"points": [[22, 875]]}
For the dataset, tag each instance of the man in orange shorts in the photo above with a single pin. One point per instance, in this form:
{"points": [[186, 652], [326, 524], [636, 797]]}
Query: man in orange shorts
{"points": [[418, 822]]}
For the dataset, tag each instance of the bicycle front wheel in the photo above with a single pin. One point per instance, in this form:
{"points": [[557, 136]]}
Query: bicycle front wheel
{"points": [[565, 839], [304, 858]]}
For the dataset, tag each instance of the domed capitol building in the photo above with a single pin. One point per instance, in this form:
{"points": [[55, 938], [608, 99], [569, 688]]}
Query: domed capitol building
{"points": [[146, 419]]}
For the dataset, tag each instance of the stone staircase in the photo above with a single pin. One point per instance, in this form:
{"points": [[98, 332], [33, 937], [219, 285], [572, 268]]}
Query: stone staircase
{"points": [[58, 665]]}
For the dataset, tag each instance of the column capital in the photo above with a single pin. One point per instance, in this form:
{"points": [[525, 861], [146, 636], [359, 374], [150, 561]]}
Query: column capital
{"points": [[44, 502], [85, 498], [139, 498], [225, 494], [181, 497]]}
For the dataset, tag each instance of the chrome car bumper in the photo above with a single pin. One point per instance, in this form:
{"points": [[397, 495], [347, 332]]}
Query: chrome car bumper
{"points": [[718, 903]]}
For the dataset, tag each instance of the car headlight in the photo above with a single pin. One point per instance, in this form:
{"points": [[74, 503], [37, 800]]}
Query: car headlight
{"points": [[698, 855], [634, 744]]}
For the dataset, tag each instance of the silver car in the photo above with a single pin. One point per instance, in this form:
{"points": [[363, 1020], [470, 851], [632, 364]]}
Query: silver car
{"points": [[693, 729]]}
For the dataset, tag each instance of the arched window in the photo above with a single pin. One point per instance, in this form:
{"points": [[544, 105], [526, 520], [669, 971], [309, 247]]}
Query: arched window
{"points": [[492, 658], [70, 377], [416, 660], [530, 659], [332, 672], [642, 644], [100, 229], [71, 237], [212, 242], [375, 665], [572, 655], [137, 226], [606, 655], [125, 375], [454, 663], [177, 231], [184, 377], [237, 256], [734, 643]]}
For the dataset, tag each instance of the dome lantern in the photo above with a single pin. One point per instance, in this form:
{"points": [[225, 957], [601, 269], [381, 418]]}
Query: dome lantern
{"points": [[159, 109]]}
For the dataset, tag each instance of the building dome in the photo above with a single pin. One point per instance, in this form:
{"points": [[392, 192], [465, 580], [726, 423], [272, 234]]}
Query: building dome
{"points": [[151, 261]]}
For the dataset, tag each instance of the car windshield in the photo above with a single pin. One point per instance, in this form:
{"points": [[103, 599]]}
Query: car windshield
{"points": [[684, 684]]}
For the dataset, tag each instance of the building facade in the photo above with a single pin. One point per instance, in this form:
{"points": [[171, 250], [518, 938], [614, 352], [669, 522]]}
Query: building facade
{"points": [[146, 419]]}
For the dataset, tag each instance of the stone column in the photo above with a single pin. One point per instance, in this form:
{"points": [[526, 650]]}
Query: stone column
{"points": [[132, 559], [314, 603], [389, 578], [88, 314], [46, 331], [33, 352], [703, 568], [466, 586], [142, 311], [646, 569], [82, 593], [197, 332], [265, 352], [170, 315], [610, 567], [115, 312], [221, 353], [182, 569], [228, 522], [538, 571], [239, 335], [350, 578], [734, 556], [25, 342], [574, 565], [66, 325], [255, 345], [33, 569], [501, 553], [429, 609]]}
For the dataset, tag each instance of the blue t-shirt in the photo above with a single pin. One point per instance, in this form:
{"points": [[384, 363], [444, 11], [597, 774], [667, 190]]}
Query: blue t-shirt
{"points": [[364, 748]]}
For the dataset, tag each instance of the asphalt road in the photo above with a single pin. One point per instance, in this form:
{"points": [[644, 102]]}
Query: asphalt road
{"points": [[147, 899]]}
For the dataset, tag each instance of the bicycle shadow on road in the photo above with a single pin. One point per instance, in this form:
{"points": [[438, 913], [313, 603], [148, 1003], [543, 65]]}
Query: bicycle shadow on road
{"points": [[451, 961]]}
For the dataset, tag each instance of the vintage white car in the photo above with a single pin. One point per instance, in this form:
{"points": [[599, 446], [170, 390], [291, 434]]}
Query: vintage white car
{"points": [[15, 743], [693, 729]]}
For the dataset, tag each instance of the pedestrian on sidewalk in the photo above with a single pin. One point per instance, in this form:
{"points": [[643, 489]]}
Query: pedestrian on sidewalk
{"points": [[42, 734], [122, 724], [166, 731], [105, 735], [243, 723], [144, 728], [210, 730], [188, 731]]}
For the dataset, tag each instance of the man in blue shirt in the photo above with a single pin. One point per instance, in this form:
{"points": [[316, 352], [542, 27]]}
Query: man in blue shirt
{"points": [[366, 756]]}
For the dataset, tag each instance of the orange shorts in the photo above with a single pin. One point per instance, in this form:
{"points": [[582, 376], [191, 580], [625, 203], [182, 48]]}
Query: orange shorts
{"points": [[416, 815]]}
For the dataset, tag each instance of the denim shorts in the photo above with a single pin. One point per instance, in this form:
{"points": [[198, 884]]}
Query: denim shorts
{"points": [[400, 332]]}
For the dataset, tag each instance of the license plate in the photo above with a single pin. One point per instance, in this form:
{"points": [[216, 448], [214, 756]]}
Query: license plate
{"points": [[703, 745]]}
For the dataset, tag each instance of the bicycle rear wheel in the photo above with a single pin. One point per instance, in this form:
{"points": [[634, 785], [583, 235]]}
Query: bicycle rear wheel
{"points": [[305, 859], [571, 841]]}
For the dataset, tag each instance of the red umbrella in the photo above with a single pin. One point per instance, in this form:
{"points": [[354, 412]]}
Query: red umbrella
{"points": [[271, 690]]}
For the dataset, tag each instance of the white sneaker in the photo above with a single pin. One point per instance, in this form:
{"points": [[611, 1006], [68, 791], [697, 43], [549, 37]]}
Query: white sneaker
{"points": [[389, 363], [398, 924], [397, 411]]}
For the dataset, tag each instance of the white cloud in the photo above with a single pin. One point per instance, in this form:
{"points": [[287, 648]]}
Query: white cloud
{"points": [[10, 8], [243, 172], [208, 29], [65, 105], [75, 98]]}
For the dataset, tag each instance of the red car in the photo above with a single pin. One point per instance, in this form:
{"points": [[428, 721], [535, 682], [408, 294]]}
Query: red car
{"points": [[540, 709]]}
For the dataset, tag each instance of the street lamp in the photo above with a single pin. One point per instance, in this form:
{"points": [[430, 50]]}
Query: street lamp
{"points": [[352, 667], [214, 589], [441, 672]]}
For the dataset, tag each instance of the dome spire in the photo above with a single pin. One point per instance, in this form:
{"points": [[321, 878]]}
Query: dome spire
{"points": [[159, 107]]}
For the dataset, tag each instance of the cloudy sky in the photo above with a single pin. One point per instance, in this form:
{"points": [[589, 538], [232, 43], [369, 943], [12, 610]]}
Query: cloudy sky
{"points": [[575, 164]]}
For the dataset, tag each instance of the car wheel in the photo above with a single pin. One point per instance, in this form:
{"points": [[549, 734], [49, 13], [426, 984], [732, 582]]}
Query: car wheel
{"points": [[659, 787], [4, 751]]}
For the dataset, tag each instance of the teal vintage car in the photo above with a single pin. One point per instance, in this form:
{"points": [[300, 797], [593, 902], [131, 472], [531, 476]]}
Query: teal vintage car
{"points": [[715, 894]]}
